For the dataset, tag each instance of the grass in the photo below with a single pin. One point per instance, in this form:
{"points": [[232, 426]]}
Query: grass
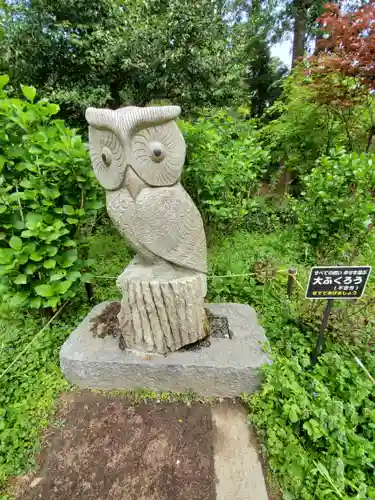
{"points": [[29, 390], [111, 256], [144, 395]]}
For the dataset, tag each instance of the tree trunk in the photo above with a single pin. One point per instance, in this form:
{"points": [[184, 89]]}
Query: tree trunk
{"points": [[115, 88], [300, 8]]}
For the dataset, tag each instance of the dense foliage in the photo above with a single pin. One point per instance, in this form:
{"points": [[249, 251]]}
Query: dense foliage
{"points": [[314, 116], [30, 386], [262, 74], [114, 53], [28, 389], [348, 46], [47, 194], [318, 425], [225, 167], [337, 208]]}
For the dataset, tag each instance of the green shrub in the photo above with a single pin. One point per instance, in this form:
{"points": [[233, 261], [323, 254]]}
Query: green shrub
{"points": [[269, 214], [301, 127], [225, 167], [335, 213], [318, 424], [298, 131], [47, 192]]}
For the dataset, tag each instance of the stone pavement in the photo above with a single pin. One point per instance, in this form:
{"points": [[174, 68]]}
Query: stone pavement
{"points": [[104, 448]]}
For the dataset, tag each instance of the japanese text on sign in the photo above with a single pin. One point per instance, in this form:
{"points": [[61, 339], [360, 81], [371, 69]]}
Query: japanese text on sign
{"points": [[337, 282]]}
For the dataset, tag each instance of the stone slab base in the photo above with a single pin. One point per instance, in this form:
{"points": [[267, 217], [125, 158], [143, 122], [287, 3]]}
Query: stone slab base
{"points": [[224, 369]]}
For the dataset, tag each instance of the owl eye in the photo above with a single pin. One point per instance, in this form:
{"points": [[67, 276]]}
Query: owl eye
{"points": [[157, 151], [107, 156]]}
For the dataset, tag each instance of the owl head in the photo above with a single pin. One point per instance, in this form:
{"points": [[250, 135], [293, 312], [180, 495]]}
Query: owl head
{"points": [[146, 139]]}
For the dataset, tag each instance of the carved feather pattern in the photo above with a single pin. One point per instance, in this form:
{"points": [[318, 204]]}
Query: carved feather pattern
{"points": [[154, 214], [162, 222]]}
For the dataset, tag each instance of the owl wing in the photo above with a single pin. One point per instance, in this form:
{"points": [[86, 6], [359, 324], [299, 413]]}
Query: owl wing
{"points": [[170, 226]]}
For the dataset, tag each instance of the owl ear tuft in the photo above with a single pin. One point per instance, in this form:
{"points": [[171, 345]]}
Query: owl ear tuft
{"points": [[102, 118], [151, 116]]}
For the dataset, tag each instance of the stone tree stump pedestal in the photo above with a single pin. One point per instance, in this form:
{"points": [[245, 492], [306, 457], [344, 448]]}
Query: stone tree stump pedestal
{"points": [[162, 308]]}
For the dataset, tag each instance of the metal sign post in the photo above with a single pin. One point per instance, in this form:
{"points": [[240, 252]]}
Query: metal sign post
{"points": [[334, 282], [320, 339]]}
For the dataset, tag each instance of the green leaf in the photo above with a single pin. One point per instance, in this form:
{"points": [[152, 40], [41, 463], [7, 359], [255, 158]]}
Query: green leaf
{"points": [[31, 247], [49, 264], [16, 243], [3, 270], [35, 303], [25, 183], [73, 276], [22, 258], [30, 268], [67, 258], [51, 251], [87, 277], [21, 279], [6, 255], [69, 243], [63, 286], [18, 298], [53, 301], [51, 193], [53, 108], [28, 92], [44, 290], [68, 209], [41, 136], [27, 233], [19, 224], [34, 150], [20, 195], [2, 162], [58, 275], [94, 204], [33, 220], [72, 220], [36, 256], [4, 79]]}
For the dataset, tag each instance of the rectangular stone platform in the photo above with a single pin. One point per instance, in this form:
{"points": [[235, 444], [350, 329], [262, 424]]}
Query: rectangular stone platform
{"points": [[224, 369]]}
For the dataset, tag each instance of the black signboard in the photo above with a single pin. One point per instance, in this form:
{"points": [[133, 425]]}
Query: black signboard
{"points": [[337, 282]]}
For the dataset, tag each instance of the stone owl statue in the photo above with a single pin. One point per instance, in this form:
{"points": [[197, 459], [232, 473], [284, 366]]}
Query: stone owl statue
{"points": [[138, 156]]}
